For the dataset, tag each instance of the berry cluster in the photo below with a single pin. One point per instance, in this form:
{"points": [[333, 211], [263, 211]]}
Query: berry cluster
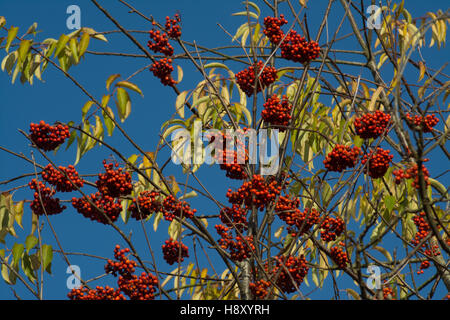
{"points": [[138, 288], [103, 204], [294, 47], [232, 161], [272, 28], [174, 251], [124, 266], [412, 173], [298, 222], [388, 293], [142, 287], [113, 182], [297, 49], [289, 272], [259, 288], [162, 69], [234, 217], [331, 228], [160, 42], [172, 26], [423, 229], [172, 208], [47, 137], [424, 124], [58, 178], [43, 202], [339, 257], [255, 192], [377, 163], [277, 112], [372, 125], [341, 157], [240, 247], [246, 78], [99, 293], [147, 203]]}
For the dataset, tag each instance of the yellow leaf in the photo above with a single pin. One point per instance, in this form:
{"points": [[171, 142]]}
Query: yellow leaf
{"points": [[111, 79], [422, 70], [374, 99], [180, 74], [179, 103]]}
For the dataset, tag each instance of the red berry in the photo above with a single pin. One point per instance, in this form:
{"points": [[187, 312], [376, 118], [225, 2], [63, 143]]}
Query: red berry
{"points": [[372, 125], [58, 179], [43, 202], [272, 28], [246, 78], [114, 182], [162, 69], [377, 163], [110, 206], [277, 112], [47, 137], [341, 157], [297, 49], [174, 251]]}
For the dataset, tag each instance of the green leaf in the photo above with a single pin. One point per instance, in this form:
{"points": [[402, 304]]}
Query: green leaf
{"points": [[111, 79], [5, 272], [390, 201], [125, 214], [72, 137], [174, 229], [132, 159], [129, 85], [30, 242], [215, 65], [73, 45], [47, 256], [16, 72], [188, 195], [123, 104], [245, 13], [84, 43], [32, 29], [110, 125], [98, 131], [85, 109], [12, 33], [240, 31], [93, 33], [252, 4], [63, 62], [180, 74], [27, 267], [61, 44], [24, 48], [158, 218], [384, 252], [18, 212], [9, 61], [17, 252], [34, 222]]}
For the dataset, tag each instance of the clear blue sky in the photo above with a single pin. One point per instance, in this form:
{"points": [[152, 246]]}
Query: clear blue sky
{"points": [[58, 99]]}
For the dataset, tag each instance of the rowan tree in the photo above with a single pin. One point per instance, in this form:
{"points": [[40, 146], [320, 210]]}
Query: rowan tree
{"points": [[360, 180]]}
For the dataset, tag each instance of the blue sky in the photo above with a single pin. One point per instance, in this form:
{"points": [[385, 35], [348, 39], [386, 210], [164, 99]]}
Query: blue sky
{"points": [[58, 99]]}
